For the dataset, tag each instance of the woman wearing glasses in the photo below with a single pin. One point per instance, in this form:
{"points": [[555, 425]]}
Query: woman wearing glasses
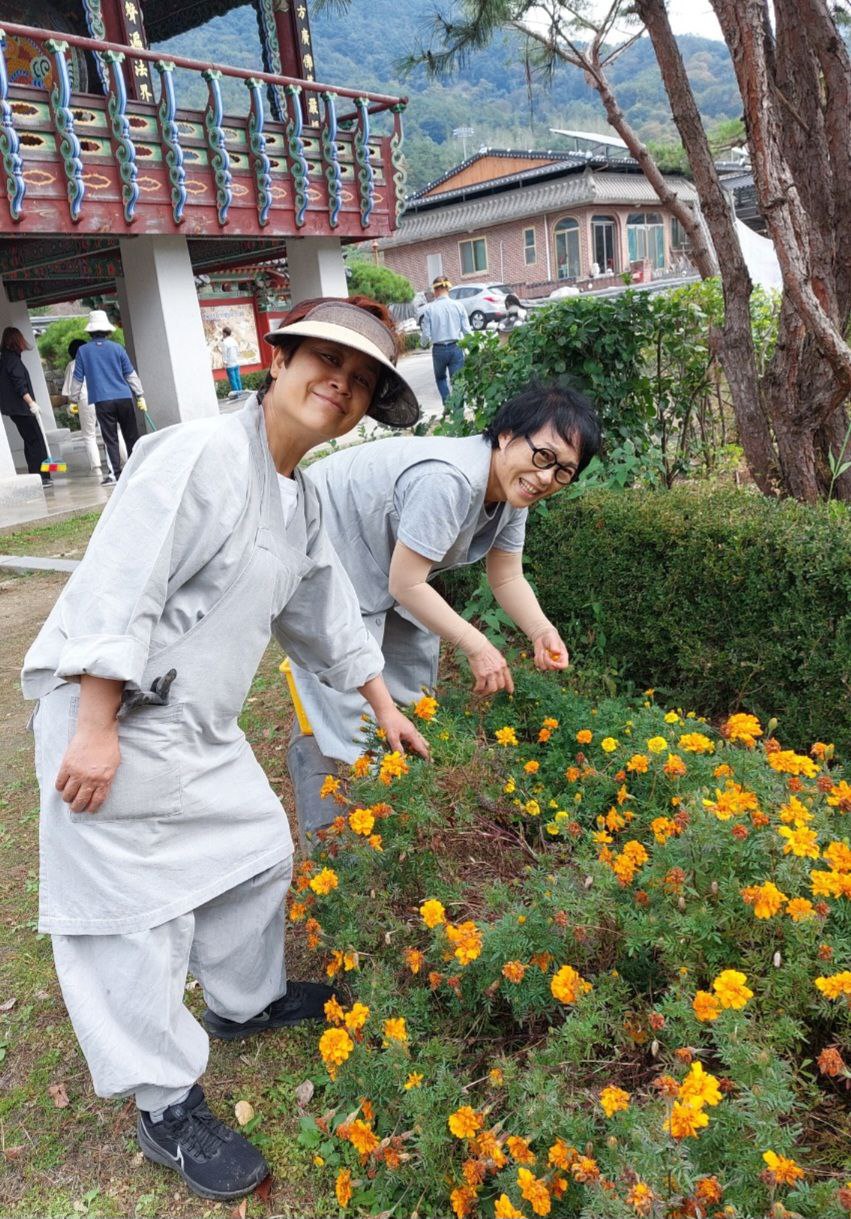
{"points": [[399, 511]]}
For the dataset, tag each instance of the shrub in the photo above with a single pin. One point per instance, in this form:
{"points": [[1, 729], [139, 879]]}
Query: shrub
{"points": [[718, 598], [382, 284], [591, 947], [53, 342], [250, 380]]}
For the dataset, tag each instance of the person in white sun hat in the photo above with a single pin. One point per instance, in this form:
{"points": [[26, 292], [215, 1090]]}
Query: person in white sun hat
{"points": [[163, 847], [111, 381]]}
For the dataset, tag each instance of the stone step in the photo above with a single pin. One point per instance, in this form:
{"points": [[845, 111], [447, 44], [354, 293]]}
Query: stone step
{"points": [[21, 489]]}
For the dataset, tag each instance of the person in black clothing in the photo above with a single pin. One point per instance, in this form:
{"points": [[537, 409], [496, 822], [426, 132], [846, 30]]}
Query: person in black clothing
{"points": [[17, 400]]}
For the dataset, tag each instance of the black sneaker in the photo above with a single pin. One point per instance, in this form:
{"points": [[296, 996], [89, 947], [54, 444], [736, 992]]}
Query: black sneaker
{"points": [[303, 1001], [107, 481], [214, 1161]]}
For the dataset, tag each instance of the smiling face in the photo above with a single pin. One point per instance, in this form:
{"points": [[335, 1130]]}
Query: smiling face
{"points": [[515, 479], [323, 388]]}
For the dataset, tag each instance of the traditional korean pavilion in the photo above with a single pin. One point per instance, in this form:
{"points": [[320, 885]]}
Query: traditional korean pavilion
{"points": [[112, 185]]}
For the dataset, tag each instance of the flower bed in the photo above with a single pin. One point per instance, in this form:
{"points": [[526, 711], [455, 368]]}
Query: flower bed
{"points": [[594, 960]]}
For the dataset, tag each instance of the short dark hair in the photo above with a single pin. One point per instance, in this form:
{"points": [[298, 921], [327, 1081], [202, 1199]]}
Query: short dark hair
{"points": [[74, 346], [539, 404], [226, 330]]}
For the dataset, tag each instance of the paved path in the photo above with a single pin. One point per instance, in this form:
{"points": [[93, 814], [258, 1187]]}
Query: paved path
{"points": [[16, 562]]}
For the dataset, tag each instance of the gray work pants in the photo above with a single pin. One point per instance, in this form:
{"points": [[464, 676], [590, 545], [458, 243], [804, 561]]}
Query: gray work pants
{"points": [[124, 993]]}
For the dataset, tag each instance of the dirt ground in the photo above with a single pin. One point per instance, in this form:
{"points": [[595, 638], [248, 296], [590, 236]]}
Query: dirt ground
{"points": [[64, 1151]]}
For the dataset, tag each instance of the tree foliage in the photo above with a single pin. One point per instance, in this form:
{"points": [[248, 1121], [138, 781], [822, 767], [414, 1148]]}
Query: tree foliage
{"points": [[382, 284], [53, 342]]}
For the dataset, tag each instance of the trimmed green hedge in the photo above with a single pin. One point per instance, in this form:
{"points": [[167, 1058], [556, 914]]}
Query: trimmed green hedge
{"points": [[719, 599]]}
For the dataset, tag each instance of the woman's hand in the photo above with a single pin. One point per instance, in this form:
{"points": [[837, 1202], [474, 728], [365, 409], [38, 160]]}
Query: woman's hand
{"points": [[88, 768], [550, 652], [490, 669], [400, 733]]}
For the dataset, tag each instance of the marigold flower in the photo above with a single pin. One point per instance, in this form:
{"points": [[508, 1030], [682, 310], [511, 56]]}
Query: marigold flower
{"points": [[838, 855], [731, 990], [519, 1150], [783, 1170], [426, 708], [395, 1029], [585, 736], [504, 1208], [640, 1198], [335, 1046], [510, 786], [333, 1011], [514, 971], [496, 1077], [361, 821], [675, 767], [466, 939], [613, 1100], [657, 744], [506, 736], [638, 764], [561, 1155], [362, 1137], [463, 1200], [699, 1087], [432, 912], [801, 842], [840, 797], [836, 985], [531, 767], [374, 841], [298, 911], [357, 1017], [830, 884], [795, 812], [550, 722], [742, 729], [567, 985], [534, 1191], [734, 800], [667, 1085], [330, 787], [696, 742], [708, 1189], [830, 1062], [361, 766], [664, 828], [674, 880], [766, 899], [533, 808], [465, 1122], [609, 744], [800, 909], [787, 762], [585, 1169], [686, 1120], [343, 1188], [324, 882], [705, 1006], [393, 766], [414, 959]]}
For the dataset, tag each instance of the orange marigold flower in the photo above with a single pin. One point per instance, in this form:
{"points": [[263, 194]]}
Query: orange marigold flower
{"points": [[664, 828], [298, 911], [393, 766], [561, 1155], [766, 899], [585, 736], [465, 1122], [708, 1189], [674, 880], [519, 1150], [474, 1171], [638, 764], [314, 932], [800, 909], [504, 1208], [613, 1100], [640, 1198], [361, 766], [705, 1006], [838, 855], [686, 1121], [335, 1046], [426, 708], [330, 787], [840, 797], [414, 959], [696, 742], [374, 841], [585, 1169], [362, 1137], [800, 841], [324, 882], [787, 762], [830, 1061], [514, 971], [333, 1011], [532, 767], [667, 1085], [742, 729], [343, 1188], [357, 1017], [731, 990], [544, 735], [675, 767], [781, 1169], [534, 1191], [434, 979], [567, 985], [699, 1087], [550, 722], [836, 985], [488, 1146], [463, 1200], [395, 1029], [466, 939], [432, 912]]}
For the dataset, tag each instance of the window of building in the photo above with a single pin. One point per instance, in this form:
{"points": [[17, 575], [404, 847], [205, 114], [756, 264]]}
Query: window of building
{"points": [[645, 237], [604, 243], [679, 237], [474, 256], [530, 252], [434, 266], [567, 248]]}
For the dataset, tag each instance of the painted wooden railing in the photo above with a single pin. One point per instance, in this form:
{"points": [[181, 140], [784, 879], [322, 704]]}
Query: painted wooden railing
{"points": [[108, 163]]}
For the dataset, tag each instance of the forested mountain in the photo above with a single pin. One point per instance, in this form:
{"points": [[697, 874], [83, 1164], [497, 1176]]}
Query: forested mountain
{"points": [[491, 94]]}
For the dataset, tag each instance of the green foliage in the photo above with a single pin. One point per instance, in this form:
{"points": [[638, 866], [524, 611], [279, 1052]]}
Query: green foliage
{"points": [[719, 598], [53, 342], [382, 284], [250, 380], [555, 831]]}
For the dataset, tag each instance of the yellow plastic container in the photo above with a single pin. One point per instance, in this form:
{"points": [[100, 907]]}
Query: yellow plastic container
{"points": [[301, 714]]}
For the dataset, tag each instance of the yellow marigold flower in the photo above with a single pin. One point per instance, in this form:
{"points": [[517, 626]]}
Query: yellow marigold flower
{"points": [[766, 899], [699, 1087], [533, 808], [534, 1191], [828, 884], [374, 841], [840, 797], [496, 1077], [613, 1100], [335, 1046], [414, 1080], [504, 1208], [638, 764], [361, 821], [361, 1136], [357, 1017], [783, 1170], [514, 971], [466, 939], [795, 812], [672, 717], [519, 1150], [350, 961], [838, 855], [664, 828], [465, 1122], [432, 912], [686, 1121], [609, 744], [414, 959], [635, 851], [799, 909], [723, 771], [426, 708], [585, 1169], [343, 1188], [787, 762], [696, 742], [567, 985], [675, 767], [510, 786], [333, 1011], [361, 766], [395, 1029], [705, 1006], [801, 841], [731, 990], [640, 1198], [585, 736], [836, 985], [330, 787], [657, 744], [324, 882], [532, 767], [506, 736], [393, 766], [742, 729], [463, 1200]]}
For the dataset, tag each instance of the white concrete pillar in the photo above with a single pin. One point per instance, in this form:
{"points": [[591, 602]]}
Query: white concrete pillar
{"points": [[316, 267], [126, 319], [168, 336]]}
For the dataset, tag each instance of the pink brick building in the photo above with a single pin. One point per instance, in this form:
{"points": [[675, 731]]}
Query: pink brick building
{"points": [[537, 221]]}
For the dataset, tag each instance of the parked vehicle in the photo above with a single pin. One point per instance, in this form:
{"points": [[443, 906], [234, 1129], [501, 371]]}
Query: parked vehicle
{"points": [[484, 303]]}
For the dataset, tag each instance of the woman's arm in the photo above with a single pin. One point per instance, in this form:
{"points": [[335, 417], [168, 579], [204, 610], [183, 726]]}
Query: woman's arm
{"points": [[514, 594], [91, 760], [409, 586]]}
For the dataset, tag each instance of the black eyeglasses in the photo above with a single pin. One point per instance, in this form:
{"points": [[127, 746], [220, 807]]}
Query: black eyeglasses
{"points": [[545, 459]]}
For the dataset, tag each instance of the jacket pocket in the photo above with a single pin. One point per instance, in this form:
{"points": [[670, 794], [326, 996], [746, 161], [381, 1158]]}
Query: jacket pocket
{"points": [[148, 782]]}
